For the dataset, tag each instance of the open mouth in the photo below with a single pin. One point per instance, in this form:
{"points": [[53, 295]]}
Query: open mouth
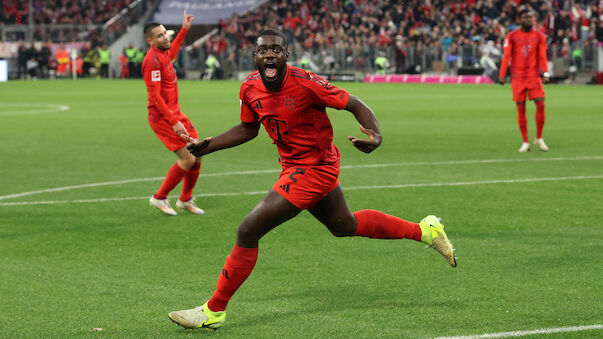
{"points": [[270, 70]]}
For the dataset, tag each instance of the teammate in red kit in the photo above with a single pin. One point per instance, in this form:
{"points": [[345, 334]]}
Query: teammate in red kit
{"points": [[291, 104], [165, 117], [526, 49]]}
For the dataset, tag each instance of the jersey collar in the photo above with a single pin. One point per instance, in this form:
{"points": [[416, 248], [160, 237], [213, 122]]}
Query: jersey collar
{"points": [[157, 50]]}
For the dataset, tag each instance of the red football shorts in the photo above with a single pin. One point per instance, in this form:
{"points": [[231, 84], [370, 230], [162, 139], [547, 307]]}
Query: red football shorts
{"points": [[532, 86], [166, 134], [304, 186]]}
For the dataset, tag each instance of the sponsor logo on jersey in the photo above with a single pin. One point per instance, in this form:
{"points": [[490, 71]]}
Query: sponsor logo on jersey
{"points": [[155, 75]]}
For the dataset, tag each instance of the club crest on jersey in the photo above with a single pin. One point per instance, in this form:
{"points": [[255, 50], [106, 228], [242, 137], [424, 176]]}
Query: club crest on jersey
{"points": [[290, 102], [155, 75]]}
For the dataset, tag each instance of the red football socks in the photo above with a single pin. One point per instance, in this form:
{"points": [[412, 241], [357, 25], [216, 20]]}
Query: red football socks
{"points": [[522, 121], [174, 176], [190, 179], [237, 268], [375, 224], [540, 116]]}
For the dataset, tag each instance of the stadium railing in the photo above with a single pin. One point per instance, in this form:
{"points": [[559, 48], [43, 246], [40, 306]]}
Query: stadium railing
{"points": [[430, 59]]}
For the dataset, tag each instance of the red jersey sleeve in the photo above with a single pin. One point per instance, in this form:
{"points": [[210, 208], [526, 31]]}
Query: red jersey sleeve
{"points": [[175, 48], [248, 115], [542, 53], [327, 94], [151, 73], [506, 57]]}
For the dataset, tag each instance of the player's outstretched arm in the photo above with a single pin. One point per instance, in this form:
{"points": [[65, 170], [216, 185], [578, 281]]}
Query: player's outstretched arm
{"points": [[368, 125], [235, 136]]}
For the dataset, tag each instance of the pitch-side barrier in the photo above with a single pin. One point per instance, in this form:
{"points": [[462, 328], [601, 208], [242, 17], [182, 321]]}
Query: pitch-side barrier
{"points": [[429, 79]]}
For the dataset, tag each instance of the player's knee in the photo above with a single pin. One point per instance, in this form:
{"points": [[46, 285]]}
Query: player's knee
{"points": [[342, 227], [246, 234], [187, 163]]}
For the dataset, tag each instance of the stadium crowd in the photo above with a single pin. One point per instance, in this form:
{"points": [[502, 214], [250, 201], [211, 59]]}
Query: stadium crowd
{"points": [[351, 33], [82, 12], [71, 20], [331, 35]]}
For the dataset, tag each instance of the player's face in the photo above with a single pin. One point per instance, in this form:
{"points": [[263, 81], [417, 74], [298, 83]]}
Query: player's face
{"points": [[271, 59], [159, 38], [527, 20]]}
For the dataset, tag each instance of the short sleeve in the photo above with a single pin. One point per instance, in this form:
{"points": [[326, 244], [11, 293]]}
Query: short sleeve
{"points": [[248, 115], [327, 94]]}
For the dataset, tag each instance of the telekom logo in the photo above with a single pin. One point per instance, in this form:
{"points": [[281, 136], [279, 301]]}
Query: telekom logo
{"points": [[277, 127], [526, 50]]}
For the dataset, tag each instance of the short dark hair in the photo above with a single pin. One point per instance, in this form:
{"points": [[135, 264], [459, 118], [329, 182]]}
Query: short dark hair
{"points": [[149, 27], [272, 31], [524, 11]]}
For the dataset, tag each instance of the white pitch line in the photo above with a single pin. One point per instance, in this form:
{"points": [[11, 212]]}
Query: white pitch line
{"points": [[484, 182], [43, 108], [402, 164], [351, 188], [525, 333]]}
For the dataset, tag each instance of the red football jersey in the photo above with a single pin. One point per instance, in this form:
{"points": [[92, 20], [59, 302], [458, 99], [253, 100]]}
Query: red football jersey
{"points": [[295, 116], [162, 83], [527, 53]]}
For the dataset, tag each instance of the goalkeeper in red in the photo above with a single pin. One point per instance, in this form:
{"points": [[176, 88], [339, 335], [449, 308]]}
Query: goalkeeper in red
{"points": [[525, 48], [165, 117], [291, 104]]}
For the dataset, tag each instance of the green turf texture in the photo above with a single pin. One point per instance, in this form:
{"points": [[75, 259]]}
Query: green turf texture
{"points": [[530, 253]]}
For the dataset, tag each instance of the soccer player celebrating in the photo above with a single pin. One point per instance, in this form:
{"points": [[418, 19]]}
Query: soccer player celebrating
{"points": [[526, 49], [165, 117], [290, 103]]}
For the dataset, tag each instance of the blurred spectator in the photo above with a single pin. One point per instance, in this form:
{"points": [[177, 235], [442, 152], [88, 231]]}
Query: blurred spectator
{"points": [[306, 63], [32, 62], [104, 58], [489, 66], [62, 58], [22, 57], [32, 68], [44, 59], [123, 61], [213, 68], [400, 54], [131, 52], [138, 59], [381, 63], [90, 56]]}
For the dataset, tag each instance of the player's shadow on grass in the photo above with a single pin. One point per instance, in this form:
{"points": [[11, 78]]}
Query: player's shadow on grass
{"points": [[335, 299]]}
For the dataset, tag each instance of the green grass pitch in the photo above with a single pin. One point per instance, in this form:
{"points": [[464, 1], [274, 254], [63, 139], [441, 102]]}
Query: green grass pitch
{"points": [[527, 227]]}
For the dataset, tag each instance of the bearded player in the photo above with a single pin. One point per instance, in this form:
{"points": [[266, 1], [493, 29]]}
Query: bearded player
{"points": [[291, 104], [165, 117], [526, 49]]}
